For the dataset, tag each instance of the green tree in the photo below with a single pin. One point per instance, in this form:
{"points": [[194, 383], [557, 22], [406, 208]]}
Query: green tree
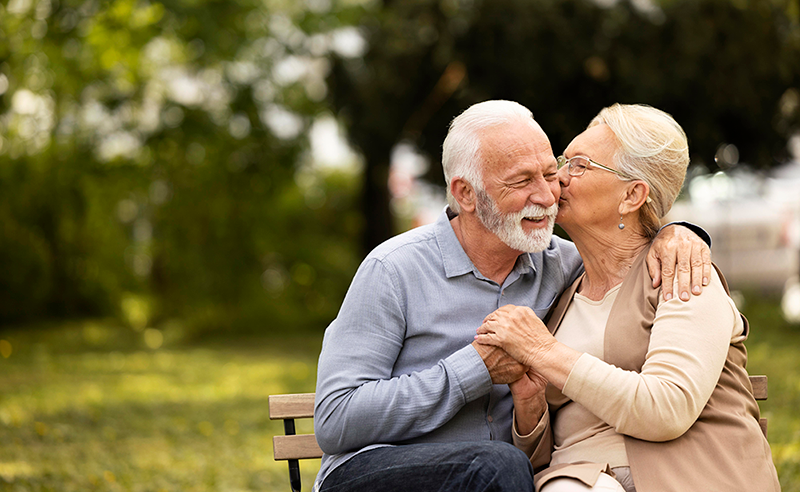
{"points": [[152, 149]]}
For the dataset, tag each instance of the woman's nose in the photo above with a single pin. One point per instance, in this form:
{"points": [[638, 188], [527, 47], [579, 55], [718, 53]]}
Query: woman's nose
{"points": [[563, 176]]}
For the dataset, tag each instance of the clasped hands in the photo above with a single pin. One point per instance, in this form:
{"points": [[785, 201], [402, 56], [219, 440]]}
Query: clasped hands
{"points": [[510, 341]]}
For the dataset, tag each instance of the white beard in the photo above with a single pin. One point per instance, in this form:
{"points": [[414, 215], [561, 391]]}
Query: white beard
{"points": [[508, 227]]}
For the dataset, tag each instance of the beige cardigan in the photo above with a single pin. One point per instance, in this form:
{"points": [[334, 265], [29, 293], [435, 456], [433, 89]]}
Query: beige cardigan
{"points": [[724, 449]]}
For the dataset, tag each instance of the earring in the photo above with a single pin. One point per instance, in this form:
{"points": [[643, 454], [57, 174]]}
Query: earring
{"points": [[621, 225]]}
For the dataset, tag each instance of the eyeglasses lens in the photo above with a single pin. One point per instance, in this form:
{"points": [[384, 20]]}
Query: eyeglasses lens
{"points": [[577, 166]]}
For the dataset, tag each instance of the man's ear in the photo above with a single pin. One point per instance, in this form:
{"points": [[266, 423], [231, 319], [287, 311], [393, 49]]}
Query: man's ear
{"points": [[635, 196], [464, 194]]}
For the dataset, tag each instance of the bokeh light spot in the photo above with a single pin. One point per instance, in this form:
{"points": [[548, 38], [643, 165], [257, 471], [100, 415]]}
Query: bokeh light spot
{"points": [[206, 428], [5, 349], [153, 338]]}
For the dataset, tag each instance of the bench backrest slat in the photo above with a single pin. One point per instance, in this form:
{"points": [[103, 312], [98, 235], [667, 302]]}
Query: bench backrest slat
{"points": [[297, 406], [759, 387], [299, 447]]}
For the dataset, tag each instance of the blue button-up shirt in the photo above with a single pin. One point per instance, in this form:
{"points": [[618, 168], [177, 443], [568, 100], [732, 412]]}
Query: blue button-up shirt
{"points": [[397, 366]]}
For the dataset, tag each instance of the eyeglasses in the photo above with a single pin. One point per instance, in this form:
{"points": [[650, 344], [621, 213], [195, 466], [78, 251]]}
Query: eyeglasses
{"points": [[579, 163]]}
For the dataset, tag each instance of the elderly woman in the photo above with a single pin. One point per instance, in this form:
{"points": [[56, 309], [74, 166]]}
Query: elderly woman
{"points": [[649, 391]]}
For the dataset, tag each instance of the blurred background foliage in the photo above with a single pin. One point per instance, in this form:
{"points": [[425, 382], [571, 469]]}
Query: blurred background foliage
{"points": [[154, 163], [157, 159]]}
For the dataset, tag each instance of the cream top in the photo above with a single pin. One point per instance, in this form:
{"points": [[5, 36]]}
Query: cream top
{"points": [[578, 434]]}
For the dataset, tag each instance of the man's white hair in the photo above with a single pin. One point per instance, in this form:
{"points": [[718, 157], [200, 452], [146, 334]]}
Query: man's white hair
{"points": [[461, 152]]}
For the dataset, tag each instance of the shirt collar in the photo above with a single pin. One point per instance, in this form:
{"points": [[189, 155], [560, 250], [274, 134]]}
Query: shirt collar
{"points": [[455, 259]]}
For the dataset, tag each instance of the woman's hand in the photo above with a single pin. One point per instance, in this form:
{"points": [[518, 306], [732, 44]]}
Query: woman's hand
{"points": [[518, 331], [529, 387], [528, 393]]}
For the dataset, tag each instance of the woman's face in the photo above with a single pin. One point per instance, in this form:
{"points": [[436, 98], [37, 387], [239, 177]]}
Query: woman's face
{"points": [[591, 201]]}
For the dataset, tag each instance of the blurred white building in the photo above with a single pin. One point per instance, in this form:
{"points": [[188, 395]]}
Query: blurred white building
{"points": [[754, 222]]}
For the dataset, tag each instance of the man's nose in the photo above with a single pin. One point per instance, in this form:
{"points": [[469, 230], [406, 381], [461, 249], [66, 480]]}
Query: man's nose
{"points": [[544, 194]]}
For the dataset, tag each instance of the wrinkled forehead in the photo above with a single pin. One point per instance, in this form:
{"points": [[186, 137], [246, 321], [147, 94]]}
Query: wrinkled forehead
{"points": [[514, 138], [503, 145]]}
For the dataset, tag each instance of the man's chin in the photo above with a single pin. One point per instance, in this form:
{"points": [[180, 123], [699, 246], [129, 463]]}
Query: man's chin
{"points": [[540, 239], [532, 242], [538, 247]]}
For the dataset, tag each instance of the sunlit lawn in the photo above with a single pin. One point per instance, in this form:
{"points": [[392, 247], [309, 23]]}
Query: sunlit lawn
{"points": [[774, 350], [85, 408], [88, 406]]}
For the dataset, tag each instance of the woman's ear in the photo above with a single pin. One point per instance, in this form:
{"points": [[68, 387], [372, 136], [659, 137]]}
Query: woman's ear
{"points": [[464, 194], [635, 196]]}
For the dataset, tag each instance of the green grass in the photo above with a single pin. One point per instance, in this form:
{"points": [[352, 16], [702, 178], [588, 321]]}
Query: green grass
{"points": [[774, 350], [79, 414], [90, 406]]}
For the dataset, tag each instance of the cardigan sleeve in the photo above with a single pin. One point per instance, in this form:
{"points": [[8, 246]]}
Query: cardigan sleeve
{"points": [[688, 346], [538, 444]]}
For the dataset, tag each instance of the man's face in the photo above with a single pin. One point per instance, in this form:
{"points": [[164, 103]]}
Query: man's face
{"points": [[519, 203]]}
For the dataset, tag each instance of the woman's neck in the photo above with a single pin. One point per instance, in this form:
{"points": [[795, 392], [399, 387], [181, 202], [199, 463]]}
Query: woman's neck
{"points": [[607, 258]]}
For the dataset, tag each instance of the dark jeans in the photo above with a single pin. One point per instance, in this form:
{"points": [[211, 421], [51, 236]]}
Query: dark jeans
{"points": [[446, 467]]}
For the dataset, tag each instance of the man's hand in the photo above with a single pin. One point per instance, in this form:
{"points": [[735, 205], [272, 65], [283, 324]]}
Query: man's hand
{"points": [[502, 367], [678, 250]]}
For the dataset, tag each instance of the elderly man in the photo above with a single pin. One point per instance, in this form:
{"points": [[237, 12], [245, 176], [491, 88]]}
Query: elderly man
{"points": [[405, 399]]}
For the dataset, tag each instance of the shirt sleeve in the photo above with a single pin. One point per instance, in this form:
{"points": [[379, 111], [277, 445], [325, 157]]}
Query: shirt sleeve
{"points": [[688, 346], [701, 233], [358, 400]]}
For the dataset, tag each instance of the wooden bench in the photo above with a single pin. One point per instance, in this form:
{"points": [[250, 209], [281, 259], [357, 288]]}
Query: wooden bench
{"points": [[293, 447]]}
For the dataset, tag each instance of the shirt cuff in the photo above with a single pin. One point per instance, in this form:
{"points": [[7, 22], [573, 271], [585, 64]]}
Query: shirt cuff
{"points": [[694, 228], [470, 372]]}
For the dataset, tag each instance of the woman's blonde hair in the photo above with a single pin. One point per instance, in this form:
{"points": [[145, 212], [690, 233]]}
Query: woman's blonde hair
{"points": [[654, 149]]}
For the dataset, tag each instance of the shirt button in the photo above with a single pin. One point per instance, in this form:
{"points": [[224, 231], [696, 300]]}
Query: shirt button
{"points": [[490, 419]]}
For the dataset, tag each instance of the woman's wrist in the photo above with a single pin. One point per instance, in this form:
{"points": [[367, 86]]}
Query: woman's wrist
{"points": [[555, 361], [528, 414], [539, 355]]}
